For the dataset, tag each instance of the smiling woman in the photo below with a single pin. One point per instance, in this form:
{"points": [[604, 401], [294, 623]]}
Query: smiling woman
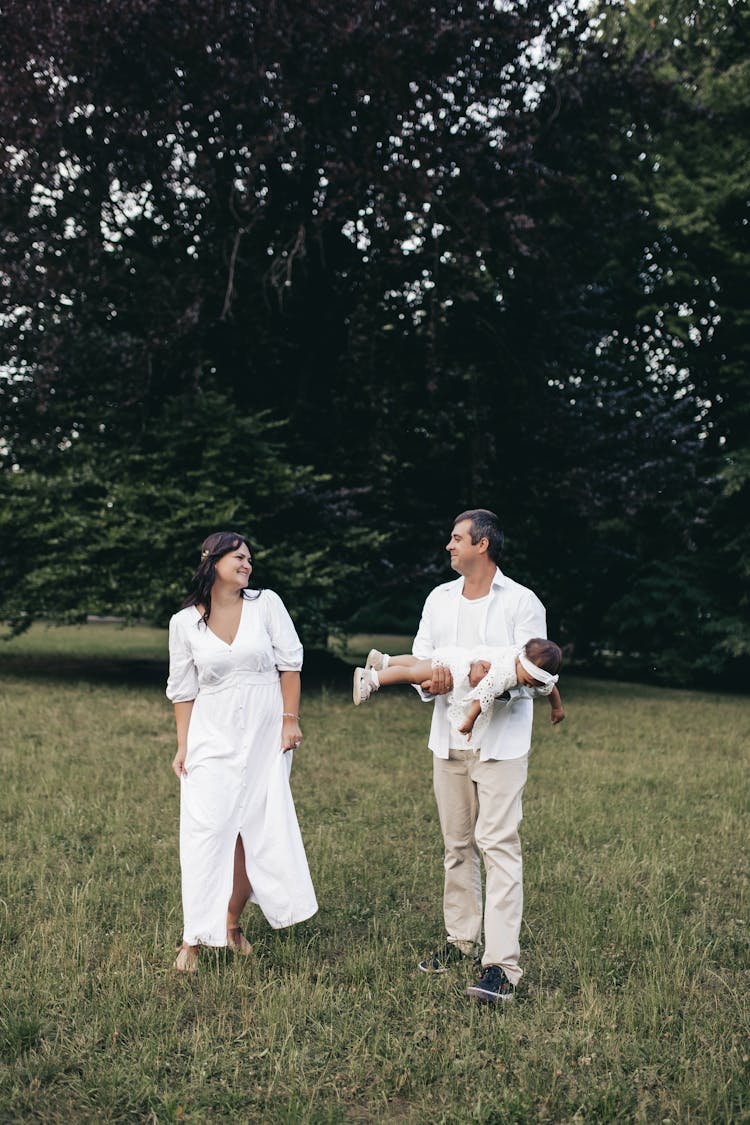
{"points": [[226, 557], [234, 679]]}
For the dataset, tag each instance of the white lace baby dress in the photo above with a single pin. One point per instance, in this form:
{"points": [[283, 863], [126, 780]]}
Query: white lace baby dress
{"points": [[501, 677]]}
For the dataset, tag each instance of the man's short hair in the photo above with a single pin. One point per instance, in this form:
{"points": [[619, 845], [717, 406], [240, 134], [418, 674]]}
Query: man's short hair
{"points": [[484, 525]]}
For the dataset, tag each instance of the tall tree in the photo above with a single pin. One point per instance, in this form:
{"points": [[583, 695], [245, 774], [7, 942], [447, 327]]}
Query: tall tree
{"points": [[422, 238], [313, 211], [111, 529], [697, 159]]}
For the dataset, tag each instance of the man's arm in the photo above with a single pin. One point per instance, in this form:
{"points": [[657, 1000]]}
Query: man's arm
{"points": [[424, 645], [530, 619], [423, 648]]}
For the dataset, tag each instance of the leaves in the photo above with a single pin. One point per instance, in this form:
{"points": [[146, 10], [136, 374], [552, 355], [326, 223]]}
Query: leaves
{"points": [[336, 274]]}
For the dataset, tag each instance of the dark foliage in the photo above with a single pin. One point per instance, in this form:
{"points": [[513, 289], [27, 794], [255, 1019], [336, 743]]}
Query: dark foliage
{"points": [[419, 236]]}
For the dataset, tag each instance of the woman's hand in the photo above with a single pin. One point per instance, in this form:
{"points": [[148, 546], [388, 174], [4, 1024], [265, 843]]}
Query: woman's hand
{"points": [[291, 735], [178, 763]]}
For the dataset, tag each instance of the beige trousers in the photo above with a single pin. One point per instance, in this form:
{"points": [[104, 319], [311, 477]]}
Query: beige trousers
{"points": [[479, 805]]}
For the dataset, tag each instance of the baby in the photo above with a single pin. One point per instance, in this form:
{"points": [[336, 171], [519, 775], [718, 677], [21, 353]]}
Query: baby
{"points": [[480, 675]]}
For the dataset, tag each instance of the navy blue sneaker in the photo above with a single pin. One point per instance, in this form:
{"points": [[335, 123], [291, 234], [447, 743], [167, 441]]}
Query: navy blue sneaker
{"points": [[441, 960], [493, 986]]}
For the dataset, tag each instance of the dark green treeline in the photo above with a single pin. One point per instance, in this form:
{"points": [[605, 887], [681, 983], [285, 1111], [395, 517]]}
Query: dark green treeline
{"points": [[331, 272]]}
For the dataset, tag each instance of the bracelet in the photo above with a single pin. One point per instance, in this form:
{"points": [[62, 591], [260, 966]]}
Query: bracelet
{"points": [[289, 715]]}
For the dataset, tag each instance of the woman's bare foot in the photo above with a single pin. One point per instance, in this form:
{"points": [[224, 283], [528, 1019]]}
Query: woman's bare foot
{"points": [[237, 942], [187, 959]]}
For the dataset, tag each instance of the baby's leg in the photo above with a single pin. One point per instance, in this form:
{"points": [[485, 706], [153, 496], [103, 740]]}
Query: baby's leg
{"points": [[406, 670], [472, 714]]}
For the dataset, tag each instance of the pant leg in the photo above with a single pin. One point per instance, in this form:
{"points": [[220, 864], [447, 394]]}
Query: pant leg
{"points": [[456, 797], [500, 786]]}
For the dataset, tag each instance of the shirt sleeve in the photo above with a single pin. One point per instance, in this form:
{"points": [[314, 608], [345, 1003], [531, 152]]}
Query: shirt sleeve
{"points": [[530, 619], [182, 685], [424, 645], [287, 647]]}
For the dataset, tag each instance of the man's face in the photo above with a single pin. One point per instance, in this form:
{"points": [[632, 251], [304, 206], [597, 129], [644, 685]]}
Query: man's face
{"points": [[461, 549]]}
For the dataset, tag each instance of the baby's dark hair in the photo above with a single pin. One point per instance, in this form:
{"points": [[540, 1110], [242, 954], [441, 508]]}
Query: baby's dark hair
{"points": [[545, 654]]}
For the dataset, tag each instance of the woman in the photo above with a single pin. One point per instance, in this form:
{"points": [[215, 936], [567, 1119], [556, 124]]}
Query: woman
{"points": [[234, 679]]}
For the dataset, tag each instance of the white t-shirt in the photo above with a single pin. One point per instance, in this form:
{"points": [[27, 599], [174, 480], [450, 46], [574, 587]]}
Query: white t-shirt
{"points": [[471, 614]]}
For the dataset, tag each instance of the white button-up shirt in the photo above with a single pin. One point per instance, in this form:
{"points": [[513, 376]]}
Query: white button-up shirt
{"points": [[514, 614]]}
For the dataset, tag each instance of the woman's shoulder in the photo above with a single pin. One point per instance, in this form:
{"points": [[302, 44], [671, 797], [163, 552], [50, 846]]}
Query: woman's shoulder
{"points": [[272, 609], [183, 617], [263, 597]]}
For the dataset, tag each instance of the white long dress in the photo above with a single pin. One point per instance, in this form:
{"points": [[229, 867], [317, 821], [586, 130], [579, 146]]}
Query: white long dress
{"points": [[237, 776]]}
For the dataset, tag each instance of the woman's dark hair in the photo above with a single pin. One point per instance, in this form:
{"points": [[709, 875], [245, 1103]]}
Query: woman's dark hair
{"points": [[484, 525], [545, 654], [218, 544]]}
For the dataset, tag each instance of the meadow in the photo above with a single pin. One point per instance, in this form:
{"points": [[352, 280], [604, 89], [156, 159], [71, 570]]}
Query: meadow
{"points": [[634, 1006]]}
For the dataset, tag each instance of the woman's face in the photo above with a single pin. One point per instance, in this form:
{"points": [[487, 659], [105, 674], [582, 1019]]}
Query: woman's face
{"points": [[235, 567]]}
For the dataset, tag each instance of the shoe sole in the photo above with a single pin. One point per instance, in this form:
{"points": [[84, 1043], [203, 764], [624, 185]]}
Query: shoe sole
{"points": [[485, 997], [428, 966], [356, 693]]}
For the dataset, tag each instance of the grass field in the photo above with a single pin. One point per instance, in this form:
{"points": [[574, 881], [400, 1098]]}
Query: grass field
{"points": [[634, 1006]]}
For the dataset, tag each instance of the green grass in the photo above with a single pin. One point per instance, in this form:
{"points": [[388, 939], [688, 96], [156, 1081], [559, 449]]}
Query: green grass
{"points": [[86, 642], [634, 1007]]}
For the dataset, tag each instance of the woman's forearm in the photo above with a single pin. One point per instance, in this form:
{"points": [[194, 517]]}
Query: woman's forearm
{"points": [[182, 713], [291, 688]]}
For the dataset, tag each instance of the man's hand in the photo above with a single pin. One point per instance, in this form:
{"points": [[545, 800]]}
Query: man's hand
{"points": [[557, 714], [441, 682]]}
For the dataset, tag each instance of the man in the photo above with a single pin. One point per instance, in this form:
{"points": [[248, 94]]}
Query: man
{"points": [[479, 788]]}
